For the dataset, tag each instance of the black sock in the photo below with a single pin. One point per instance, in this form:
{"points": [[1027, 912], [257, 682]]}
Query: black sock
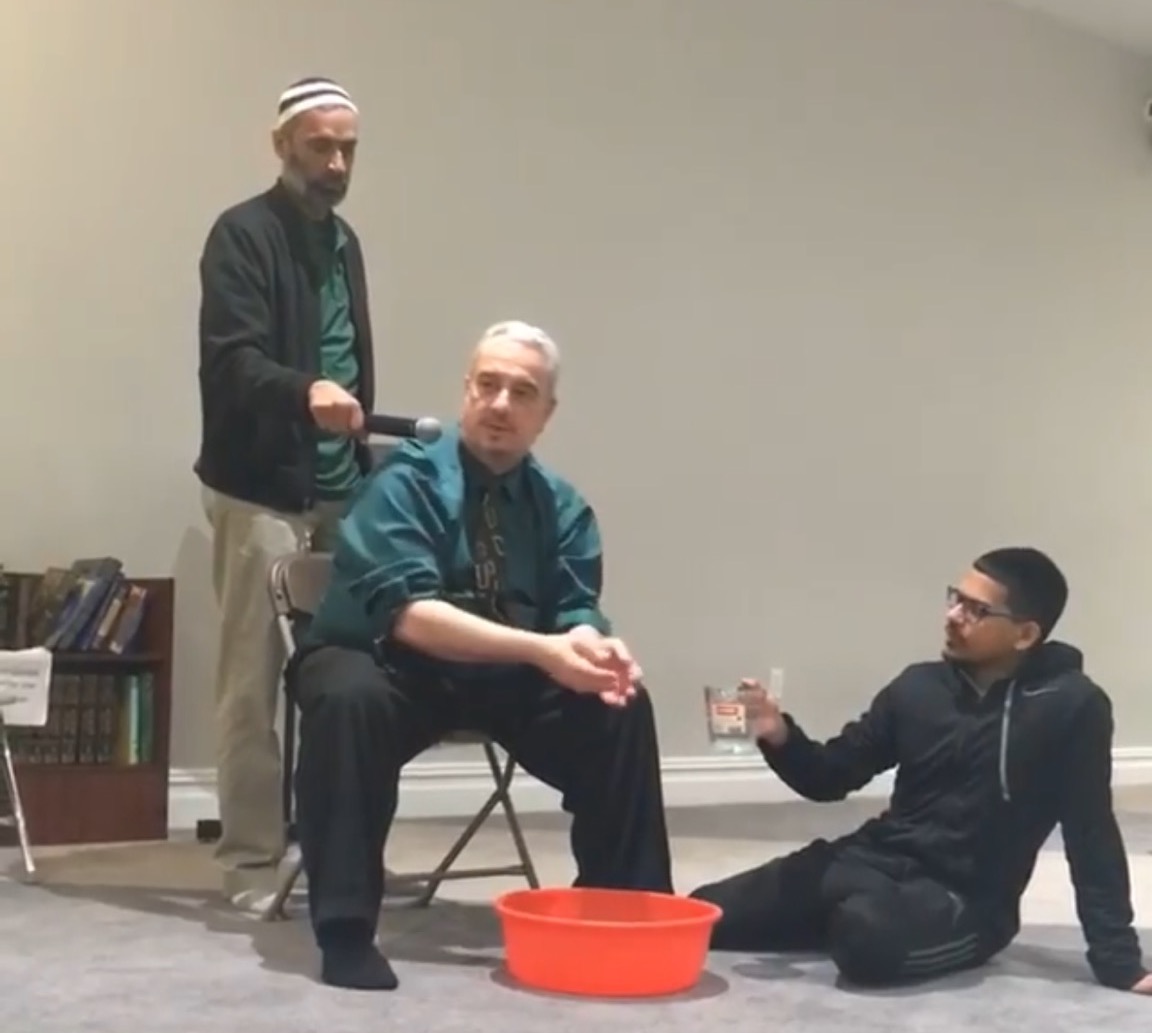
{"points": [[352, 961]]}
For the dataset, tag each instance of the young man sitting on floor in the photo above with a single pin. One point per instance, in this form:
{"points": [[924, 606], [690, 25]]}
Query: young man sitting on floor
{"points": [[994, 745]]}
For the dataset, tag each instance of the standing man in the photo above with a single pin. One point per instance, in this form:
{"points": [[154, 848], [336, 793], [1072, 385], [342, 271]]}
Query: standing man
{"points": [[286, 375]]}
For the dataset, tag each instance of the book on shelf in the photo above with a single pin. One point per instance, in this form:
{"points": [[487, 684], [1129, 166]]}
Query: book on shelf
{"points": [[93, 718], [87, 607], [96, 771]]}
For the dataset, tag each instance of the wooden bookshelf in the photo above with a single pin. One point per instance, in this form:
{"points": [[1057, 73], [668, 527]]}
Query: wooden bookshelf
{"points": [[100, 795]]}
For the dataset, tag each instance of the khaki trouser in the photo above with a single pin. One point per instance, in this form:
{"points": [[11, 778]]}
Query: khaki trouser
{"points": [[246, 540]]}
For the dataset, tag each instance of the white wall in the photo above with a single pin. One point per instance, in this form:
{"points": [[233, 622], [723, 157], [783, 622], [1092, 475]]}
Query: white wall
{"points": [[849, 292]]}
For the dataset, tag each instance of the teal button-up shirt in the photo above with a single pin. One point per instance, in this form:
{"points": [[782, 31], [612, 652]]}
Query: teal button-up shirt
{"points": [[408, 536]]}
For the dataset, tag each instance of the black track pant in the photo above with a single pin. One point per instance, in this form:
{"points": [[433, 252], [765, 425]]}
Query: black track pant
{"points": [[880, 922], [360, 726]]}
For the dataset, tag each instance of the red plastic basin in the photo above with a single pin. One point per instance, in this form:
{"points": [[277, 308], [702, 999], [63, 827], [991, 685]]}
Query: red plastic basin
{"points": [[605, 943]]}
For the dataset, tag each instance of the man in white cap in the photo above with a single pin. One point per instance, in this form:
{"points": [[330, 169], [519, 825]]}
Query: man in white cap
{"points": [[286, 375]]}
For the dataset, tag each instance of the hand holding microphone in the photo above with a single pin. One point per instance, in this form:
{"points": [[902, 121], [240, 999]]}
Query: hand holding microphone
{"points": [[335, 410]]}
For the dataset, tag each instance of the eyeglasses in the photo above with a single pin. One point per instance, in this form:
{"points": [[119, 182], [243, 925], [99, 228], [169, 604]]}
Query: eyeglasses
{"points": [[974, 610]]}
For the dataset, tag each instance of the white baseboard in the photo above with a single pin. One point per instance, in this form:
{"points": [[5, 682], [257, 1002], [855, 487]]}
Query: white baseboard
{"points": [[430, 789]]}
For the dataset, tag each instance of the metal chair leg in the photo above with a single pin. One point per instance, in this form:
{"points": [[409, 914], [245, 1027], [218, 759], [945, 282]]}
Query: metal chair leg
{"points": [[430, 882], [13, 791], [440, 872], [275, 909], [288, 761], [502, 797], [504, 791]]}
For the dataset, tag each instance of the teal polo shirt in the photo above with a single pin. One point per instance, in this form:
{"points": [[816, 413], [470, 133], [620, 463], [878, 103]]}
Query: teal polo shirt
{"points": [[337, 469], [408, 535]]}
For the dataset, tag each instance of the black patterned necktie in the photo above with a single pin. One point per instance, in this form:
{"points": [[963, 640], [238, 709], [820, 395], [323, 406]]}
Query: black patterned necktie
{"points": [[488, 556]]}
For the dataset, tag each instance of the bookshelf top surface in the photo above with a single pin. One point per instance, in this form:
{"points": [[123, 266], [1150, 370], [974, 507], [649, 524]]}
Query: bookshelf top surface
{"points": [[107, 659]]}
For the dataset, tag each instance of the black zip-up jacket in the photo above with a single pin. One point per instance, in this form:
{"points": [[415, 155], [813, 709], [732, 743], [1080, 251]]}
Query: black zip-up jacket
{"points": [[260, 351], [981, 783]]}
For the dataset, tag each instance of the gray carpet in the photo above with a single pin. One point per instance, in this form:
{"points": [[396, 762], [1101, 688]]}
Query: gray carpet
{"points": [[152, 949]]}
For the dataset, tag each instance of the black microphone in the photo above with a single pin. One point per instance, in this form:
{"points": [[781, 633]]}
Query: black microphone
{"points": [[425, 428]]}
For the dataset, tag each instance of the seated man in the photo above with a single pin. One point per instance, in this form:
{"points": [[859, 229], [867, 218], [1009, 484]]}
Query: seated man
{"points": [[994, 745], [465, 595]]}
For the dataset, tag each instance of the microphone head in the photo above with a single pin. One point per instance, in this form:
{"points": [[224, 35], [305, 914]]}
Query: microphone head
{"points": [[428, 429]]}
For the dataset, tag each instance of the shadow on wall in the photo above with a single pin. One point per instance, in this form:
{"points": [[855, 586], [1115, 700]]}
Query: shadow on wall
{"points": [[196, 641]]}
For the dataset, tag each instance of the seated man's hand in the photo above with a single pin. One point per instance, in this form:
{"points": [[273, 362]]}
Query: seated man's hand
{"points": [[573, 664], [1143, 986], [612, 654]]}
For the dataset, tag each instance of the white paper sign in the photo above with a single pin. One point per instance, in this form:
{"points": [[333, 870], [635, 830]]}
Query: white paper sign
{"points": [[25, 676]]}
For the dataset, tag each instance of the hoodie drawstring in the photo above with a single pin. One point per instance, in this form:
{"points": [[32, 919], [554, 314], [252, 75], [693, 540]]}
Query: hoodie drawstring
{"points": [[1005, 728]]}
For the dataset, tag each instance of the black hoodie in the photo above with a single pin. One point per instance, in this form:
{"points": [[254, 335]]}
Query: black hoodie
{"points": [[981, 783], [260, 351]]}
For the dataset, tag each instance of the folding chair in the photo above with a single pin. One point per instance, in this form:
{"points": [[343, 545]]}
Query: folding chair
{"points": [[296, 584]]}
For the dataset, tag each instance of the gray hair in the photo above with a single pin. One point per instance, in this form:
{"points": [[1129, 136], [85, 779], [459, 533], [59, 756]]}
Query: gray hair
{"points": [[530, 336]]}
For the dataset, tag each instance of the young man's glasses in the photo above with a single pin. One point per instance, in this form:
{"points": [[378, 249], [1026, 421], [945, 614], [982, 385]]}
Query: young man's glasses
{"points": [[974, 610]]}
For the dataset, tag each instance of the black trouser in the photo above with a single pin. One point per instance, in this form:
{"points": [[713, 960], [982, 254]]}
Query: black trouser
{"points": [[360, 725], [881, 921]]}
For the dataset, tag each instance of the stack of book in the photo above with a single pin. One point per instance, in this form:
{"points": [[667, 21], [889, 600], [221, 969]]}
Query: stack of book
{"points": [[86, 607], [96, 714]]}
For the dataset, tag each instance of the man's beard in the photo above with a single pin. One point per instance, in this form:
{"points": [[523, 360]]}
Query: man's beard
{"points": [[328, 192], [320, 192]]}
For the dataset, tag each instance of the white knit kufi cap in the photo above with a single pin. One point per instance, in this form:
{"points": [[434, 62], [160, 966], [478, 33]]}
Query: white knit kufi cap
{"points": [[311, 93]]}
